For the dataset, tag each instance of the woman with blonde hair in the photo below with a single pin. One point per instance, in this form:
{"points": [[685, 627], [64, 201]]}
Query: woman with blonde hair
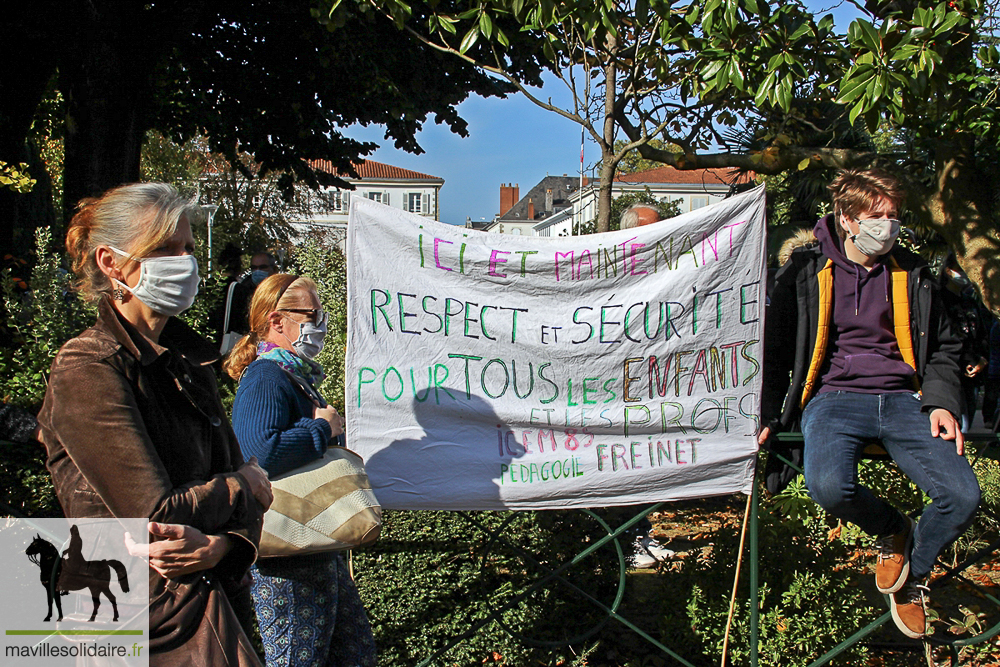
{"points": [[308, 607], [134, 427]]}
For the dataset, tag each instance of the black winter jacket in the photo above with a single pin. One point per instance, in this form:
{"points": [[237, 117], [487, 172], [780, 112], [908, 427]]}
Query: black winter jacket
{"points": [[791, 332]]}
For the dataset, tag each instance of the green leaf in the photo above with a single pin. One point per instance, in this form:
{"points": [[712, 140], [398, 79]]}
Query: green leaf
{"points": [[785, 94], [804, 164], [876, 87], [609, 24], [856, 111], [470, 39], [801, 31], [711, 69], [485, 25], [950, 22], [854, 83], [939, 12], [642, 11], [722, 78], [872, 118], [447, 23], [869, 36], [502, 38], [737, 75]]}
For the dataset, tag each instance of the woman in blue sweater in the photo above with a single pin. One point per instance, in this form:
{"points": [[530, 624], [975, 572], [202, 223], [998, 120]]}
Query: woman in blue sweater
{"points": [[308, 607]]}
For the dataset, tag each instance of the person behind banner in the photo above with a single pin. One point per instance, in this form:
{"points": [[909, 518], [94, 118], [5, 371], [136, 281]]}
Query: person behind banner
{"points": [[639, 215], [134, 427], [308, 607], [858, 325], [237, 302]]}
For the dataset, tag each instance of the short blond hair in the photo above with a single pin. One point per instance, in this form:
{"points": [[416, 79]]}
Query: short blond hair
{"points": [[134, 218]]}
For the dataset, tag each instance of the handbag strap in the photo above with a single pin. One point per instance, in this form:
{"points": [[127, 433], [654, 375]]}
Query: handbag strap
{"points": [[311, 393], [229, 306]]}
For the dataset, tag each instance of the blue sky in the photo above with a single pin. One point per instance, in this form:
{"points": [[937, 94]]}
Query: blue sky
{"points": [[510, 141]]}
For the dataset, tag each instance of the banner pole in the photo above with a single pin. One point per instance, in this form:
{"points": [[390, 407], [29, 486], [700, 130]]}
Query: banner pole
{"points": [[736, 581], [754, 571]]}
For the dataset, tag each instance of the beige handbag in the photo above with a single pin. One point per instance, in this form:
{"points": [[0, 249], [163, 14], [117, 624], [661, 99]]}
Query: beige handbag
{"points": [[326, 505]]}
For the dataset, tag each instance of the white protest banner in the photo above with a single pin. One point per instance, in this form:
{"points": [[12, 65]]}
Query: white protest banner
{"points": [[489, 371]]}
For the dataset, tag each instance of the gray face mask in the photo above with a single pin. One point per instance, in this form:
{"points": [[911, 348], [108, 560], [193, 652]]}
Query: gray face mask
{"points": [[876, 236], [311, 337]]}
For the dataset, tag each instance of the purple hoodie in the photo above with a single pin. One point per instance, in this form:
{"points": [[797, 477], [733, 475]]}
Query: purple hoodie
{"points": [[862, 355]]}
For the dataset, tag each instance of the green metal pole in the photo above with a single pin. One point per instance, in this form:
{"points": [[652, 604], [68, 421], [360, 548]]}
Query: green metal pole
{"points": [[754, 590]]}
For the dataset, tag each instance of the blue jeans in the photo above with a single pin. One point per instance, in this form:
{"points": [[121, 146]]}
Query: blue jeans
{"points": [[836, 426]]}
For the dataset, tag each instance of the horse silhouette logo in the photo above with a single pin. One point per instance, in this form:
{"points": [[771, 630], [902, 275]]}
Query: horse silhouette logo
{"points": [[71, 572]]}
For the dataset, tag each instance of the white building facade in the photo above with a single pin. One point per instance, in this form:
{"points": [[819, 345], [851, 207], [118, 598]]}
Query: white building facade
{"points": [[408, 190], [695, 188]]}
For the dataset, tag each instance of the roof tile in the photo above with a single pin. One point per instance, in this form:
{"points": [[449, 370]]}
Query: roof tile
{"points": [[372, 169], [668, 174]]}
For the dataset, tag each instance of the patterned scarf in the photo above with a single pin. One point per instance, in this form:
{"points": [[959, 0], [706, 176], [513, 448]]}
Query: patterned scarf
{"points": [[307, 369]]}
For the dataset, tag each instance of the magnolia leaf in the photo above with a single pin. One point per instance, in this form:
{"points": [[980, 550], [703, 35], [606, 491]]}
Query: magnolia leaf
{"points": [[854, 84], [856, 111], [804, 164], [485, 25], [801, 31], [785, 94], [447, 24], [737, 75], [470, 39], [869, 36]]}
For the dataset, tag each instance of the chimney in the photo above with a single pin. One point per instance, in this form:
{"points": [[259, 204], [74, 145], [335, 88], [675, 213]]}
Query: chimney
{"points": [[531, 210], [509, 194], [548, 199]]}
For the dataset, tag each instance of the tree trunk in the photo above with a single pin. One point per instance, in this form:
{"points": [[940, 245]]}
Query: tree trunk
{"points": [[107, 87], [28, 54], [609, 164], [960, 209]]}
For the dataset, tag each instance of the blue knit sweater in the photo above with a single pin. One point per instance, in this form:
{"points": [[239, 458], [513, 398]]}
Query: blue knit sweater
{"points": [[273, 420]]}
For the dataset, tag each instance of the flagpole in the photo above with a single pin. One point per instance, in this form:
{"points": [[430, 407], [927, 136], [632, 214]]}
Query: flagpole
{"points": [[580, 190]]}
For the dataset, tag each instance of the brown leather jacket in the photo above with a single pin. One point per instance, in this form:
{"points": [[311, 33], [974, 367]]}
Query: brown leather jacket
{"points": [[136, 429]]}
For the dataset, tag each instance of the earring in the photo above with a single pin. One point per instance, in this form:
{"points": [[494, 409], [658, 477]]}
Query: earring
{"points": [[118, 294]]}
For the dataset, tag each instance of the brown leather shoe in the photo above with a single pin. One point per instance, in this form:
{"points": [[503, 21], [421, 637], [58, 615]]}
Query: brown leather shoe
{"points": [[909, 609], [893, 565]]}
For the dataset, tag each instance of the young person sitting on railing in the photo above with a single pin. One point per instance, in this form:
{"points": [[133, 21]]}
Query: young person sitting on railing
{"points": [[859, 349]]}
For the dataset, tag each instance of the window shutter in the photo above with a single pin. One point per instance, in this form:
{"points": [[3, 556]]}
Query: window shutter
{"points": [[406, 201], [426, 210], [385, 198], [346, 201]]}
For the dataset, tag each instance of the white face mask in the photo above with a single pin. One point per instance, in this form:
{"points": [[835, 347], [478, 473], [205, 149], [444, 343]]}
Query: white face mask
{"points": [[168, 285], [876, 236], [311, 337]]}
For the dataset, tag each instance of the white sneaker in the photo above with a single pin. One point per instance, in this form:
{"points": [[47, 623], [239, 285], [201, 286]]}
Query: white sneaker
{"points": [[657, 550], [643, 561], [648, 553]]}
